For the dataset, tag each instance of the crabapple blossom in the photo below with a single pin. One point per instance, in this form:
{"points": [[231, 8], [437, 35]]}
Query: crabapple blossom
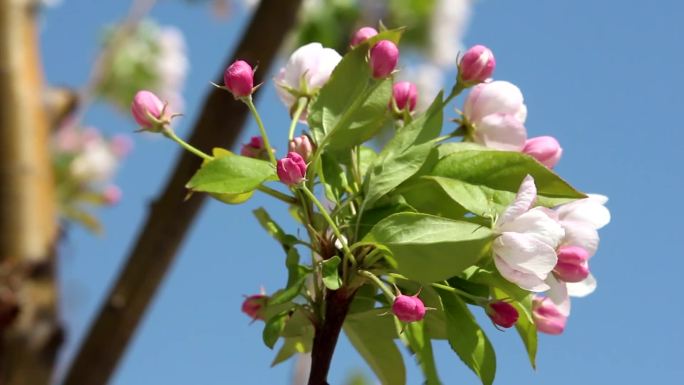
{"points": [[306, 71], [496, 113], [525, 249]]}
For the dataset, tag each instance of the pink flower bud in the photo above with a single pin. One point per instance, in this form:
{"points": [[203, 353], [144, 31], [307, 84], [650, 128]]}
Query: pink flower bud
{"points": [[362, 35], [239, 79], [146, 108], [291, 169], [408, 308], [383, 58], [477, 65], [254, 148], [302, 146], [111, 195], [547, 317], [405, 95], [253, 306], [572, 265], [545, 149], [502, 313]]}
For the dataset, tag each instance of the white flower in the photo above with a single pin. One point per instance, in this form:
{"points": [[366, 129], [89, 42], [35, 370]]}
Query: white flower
{"points": [[96, 162], [497, 112], [306, 71], [525, 250]]}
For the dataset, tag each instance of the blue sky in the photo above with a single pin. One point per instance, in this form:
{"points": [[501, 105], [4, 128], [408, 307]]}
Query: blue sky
{"points": [[601, 76]]}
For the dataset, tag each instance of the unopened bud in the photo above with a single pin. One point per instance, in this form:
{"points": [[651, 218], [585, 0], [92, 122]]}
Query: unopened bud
{"points": [[547, 317], [253, 306], [477, 65], [405, 95], [291, 169], [147, 110], [502, 313], [302, 146], [572, 265], [383, 58], [239, 79], [545, 149], [408, 308], [362, 35]]}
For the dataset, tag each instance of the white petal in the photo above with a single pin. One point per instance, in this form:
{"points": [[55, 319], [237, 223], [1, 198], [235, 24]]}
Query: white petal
{"points": [[590, 210], [536, 223], [525, 253], [524, 199], [526, 281], [500, 97], [580, 234], [582, 288], [501, 132], [558, 294]]}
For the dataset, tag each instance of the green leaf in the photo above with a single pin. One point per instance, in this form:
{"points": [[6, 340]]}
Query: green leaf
{"points": [[292, 346], [329, 272], [373, 336], [525, 325], [273, 229], [273, 327], [289, 293], [504, 171], [333, 178], [426, 196], [231, 175], [417, 339], [351, 106], [429, 248], [467, 339], [383, 209], [367, 156], [405, 154]]}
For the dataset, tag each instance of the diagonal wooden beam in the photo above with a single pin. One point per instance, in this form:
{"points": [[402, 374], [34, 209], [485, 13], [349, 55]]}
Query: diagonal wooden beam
{"points": [[170, 216]]}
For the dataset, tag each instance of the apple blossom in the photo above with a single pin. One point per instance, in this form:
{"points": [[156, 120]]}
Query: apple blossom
{"points": [[362, 35], [476, 65], [291, 169], [496, 114], [525, 249], [408, 308], [545, 149], [306, 71], [239, 79]]}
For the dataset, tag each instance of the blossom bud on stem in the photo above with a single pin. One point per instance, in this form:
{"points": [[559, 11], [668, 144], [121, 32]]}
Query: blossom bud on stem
{"points": [[383, 58]]}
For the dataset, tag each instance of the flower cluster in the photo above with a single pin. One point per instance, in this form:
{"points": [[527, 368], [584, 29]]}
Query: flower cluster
{"points": [[448, 220], [85, 163]]}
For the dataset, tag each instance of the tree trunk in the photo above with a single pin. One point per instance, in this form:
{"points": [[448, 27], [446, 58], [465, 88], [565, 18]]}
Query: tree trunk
{"points": [[31, 336]]}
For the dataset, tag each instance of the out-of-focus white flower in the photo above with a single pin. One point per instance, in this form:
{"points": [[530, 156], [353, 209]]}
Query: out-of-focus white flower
{"points": [[96, 162], [525, 250], [429, 80], [172, 65], [449, 21]]}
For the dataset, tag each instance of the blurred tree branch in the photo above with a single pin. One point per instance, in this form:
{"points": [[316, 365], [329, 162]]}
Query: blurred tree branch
{"points": [[170, 215], [31, 337]]}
